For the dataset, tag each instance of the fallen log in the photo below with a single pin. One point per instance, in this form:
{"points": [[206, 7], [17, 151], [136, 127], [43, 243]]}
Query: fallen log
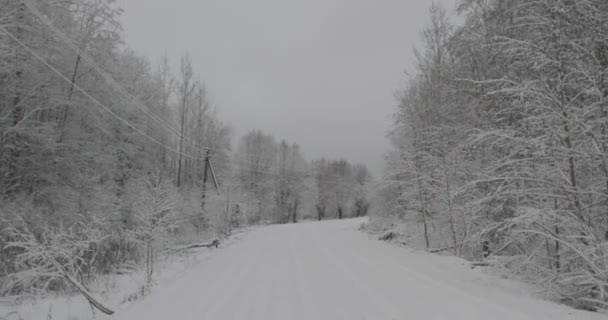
{"points": [[215, 243], [80, 287]]}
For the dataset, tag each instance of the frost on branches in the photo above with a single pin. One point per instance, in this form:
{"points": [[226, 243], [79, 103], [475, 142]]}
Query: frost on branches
{"points": [[501, 143]]}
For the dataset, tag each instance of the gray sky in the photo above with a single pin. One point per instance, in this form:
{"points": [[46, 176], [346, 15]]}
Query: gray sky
{"points": [[321, 73]]}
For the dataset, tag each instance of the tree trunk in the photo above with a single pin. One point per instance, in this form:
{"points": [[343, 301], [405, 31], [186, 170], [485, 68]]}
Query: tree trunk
{"points": [[549, 253], [149, 263], [259, 213], [556, 253], [557, 249], [320, 212], [80, 287], [450, 209], [572, 172], [426, 229], [423, 210], [10, 162], [294, 215], [181, 148], [63, 117]]}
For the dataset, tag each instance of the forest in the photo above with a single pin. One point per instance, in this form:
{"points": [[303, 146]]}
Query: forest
{"points": [[109, 161], [500, 145]]}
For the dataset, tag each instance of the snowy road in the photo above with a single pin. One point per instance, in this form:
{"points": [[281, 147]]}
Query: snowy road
{"points": [[331, 271]]}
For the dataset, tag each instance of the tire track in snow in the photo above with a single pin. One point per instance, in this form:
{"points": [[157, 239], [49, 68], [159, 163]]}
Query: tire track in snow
{"points": [[331, 271]]}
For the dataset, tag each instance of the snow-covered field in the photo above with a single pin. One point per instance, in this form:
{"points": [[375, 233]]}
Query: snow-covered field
{"points": [[327, 270]]}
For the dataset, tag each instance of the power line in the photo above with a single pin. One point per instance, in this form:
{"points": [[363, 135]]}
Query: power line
{"points": [[121, 89], [107, 77], [304, 175], [101, 105], [289, 172]]}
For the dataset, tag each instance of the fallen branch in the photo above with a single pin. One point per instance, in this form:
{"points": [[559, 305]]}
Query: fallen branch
{"points": [[215, 243], [80, 287], [481, 264], [440, 250], [388, 236]]}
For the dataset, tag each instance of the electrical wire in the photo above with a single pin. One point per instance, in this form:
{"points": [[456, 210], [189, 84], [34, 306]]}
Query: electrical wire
{"points": [[107, 77], [86, 94], [122, 90]]}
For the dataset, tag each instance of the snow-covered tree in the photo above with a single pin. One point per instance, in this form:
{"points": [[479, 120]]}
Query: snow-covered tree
{"points": [[499, 139], [155, 203]]}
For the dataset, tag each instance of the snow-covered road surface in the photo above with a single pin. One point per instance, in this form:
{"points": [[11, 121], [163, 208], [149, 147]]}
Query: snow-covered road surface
{"points": [[330, 270]]}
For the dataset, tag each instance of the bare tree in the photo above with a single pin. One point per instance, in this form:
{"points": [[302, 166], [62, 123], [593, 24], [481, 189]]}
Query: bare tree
{"points": [[185, 90]]}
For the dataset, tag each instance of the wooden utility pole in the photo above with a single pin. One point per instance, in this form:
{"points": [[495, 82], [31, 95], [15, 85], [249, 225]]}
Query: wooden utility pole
{"points": [[205, 177], [208, 168]]}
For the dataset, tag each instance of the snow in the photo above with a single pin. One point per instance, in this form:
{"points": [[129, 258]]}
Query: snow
{"points": [[329, 270], [117, 291], [314, 270]]}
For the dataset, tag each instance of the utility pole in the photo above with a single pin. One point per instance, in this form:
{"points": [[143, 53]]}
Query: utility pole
{"points": [[205, 177], [208, 168]]}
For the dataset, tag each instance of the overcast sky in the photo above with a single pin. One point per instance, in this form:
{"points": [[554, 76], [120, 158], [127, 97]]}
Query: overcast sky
{"points": [[321, 73]]}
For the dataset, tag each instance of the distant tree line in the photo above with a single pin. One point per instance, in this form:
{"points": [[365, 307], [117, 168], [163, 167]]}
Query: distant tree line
{"points": [[278, 185], [341, 189]]}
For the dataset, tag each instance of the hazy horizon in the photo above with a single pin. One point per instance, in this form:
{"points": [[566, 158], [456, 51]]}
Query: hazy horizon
{"points": [[322, 74]]}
